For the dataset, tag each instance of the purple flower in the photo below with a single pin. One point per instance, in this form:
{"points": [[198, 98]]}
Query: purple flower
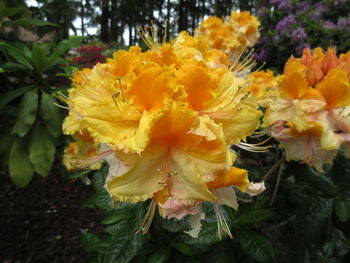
{"points": [[262, 11], [262, 40], [299, 49], [284, 24], [321, 7], [329, 25], [303, 6], [260, 56], [315, 16], [298, 34], [343, 22], [282, 4]]}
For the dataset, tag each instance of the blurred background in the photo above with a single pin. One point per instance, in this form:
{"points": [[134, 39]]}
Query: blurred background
{"points": [[43, 207]]}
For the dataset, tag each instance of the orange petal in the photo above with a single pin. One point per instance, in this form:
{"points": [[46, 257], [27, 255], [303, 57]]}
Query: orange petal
{"points": [[344, 62], [335, 88], [234, 177], [314, 72], [294, 85], [330, 61], [306, 58]]}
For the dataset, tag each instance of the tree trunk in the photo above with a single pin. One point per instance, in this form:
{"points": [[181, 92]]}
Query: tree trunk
{"points": [[82, 16], [244, 5], [105, 21]]}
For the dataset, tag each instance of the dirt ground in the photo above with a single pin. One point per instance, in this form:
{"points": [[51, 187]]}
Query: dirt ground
{"points": [[42, 222]]}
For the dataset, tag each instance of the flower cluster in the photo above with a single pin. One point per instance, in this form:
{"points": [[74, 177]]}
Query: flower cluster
{"points": [[231, 35], [89, 56], [310, 118], [288, 27], [164, 120]]}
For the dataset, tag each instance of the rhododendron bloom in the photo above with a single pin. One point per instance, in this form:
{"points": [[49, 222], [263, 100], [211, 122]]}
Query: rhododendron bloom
{"points": [[165, 119], [232, 36], [308, 118]]}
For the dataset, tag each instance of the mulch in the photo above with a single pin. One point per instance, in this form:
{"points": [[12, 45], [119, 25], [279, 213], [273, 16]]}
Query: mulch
{"points": [[42, 222]]}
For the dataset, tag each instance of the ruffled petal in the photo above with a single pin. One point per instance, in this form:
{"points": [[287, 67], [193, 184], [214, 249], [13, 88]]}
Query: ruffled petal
{"points": [[142, 180]]}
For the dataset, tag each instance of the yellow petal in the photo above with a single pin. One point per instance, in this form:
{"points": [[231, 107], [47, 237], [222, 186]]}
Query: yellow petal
{"points": [[142, 180], [186, 184]]}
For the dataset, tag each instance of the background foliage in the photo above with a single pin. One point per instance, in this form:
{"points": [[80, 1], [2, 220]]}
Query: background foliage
{"points": [[302, 217]]}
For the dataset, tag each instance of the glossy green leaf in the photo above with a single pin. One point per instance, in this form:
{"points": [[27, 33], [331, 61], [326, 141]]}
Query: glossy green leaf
{"points": [[207, 236], [321, 181], [256, 216], [342, 209], [52, 114], [16, 52], [39, 56], [12, 94], [101, 201], [89, 241], [29, 22], [27, 113], [160, 256], [183, 248], [123, 247], [13, 67], [256, 246], [6, 142], [115, 218], [8, 12], [21, 169], [42, 150]]}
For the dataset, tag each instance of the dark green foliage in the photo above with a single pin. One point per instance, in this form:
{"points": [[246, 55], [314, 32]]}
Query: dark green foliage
{"points": [[306, 223]]}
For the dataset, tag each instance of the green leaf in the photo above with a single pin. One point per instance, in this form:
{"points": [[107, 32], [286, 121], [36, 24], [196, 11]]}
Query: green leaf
{"points": [[11, 95], [71, 42], [183, 248], [160, 256], [21, 169], [13, 67], [8, 12], [342, 209], [256, 246], [321, 181], [18, 53], [52, 114], [28, 22], [41, 150], [100, 200], [115, 218], [89, 241], [6, 142], [207, 236], [26, 114], [123, 247], [256, 216], [39, 57]]}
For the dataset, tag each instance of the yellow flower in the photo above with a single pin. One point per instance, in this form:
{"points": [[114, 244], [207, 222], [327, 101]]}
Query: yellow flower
{"points": [[166, 119]]}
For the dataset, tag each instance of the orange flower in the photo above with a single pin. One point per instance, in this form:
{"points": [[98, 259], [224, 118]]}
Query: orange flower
{"points": [[315, 91]]}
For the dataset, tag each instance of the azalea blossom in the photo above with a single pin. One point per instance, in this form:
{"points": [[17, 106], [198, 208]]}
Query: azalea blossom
{"points": [[310, 118], [232, 35], [165, 120]]}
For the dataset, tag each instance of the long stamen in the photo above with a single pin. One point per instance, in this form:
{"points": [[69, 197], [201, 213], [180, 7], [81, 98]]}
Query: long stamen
{"points": [[252, 147], [148, 218], [83, 162], [60, 106], [223, 227]]}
